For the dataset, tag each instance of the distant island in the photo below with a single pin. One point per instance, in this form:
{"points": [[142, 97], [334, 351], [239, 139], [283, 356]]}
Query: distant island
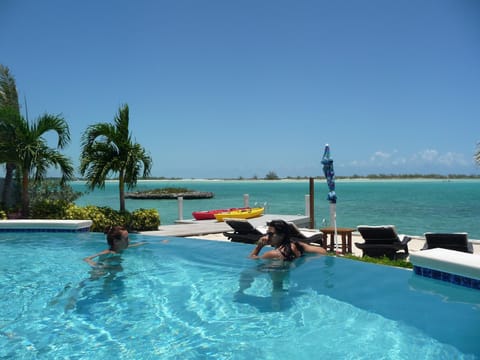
{"points": [[169, 193], [273, 176]]}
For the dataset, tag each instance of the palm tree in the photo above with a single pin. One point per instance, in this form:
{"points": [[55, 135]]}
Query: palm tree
{"points": [[34, 156], [30, 153], [477, 154], [9, 106], [108, 149]]}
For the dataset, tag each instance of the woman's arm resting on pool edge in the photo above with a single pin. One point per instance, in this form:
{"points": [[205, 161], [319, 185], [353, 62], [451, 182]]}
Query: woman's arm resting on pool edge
{"points": [[313, 249]]}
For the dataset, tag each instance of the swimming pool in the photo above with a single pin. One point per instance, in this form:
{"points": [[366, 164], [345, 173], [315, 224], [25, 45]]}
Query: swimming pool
{"points": [[198, 299]]}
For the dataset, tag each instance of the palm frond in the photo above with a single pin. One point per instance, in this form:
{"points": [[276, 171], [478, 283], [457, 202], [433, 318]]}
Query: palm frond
{"points": [[477, 154], [8, 90], [56, 123]]}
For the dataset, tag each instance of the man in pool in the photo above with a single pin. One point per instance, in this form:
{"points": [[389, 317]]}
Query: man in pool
{"points": [[278, 236], [117, 239]]}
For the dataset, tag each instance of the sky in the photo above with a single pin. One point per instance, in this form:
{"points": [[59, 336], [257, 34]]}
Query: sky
{"points": [[229, 89]]}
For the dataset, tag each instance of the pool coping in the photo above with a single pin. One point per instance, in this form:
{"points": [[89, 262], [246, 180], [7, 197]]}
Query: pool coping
{"points": [[44, 225], [448, 265]]}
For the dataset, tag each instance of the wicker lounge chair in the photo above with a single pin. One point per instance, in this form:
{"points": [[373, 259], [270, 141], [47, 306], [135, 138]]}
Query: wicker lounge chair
{"points": [[382, 241], [243, 231], [451, 241]]}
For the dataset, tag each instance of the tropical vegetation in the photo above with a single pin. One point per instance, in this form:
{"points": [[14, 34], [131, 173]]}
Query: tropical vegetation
{"points": [[108, 149], [50, 199], [271, 175], [103, 216], [25, 147], [477, 154], [9, 107]]}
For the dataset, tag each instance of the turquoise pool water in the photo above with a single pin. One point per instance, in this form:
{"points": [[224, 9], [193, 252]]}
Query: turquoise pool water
{"points": [[196, 299]]}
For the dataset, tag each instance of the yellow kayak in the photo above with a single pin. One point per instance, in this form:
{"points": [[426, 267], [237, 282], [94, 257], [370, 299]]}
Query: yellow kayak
{"points": [[240, 214]]}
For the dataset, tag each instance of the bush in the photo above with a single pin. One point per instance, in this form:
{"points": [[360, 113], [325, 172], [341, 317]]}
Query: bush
{"points": [[3, 215], [50, 199], [272, 175], [139, 220], [145, 219], [100, 221]]}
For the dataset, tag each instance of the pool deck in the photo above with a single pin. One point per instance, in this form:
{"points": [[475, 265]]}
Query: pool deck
{"points": [[202, 230], [213, 230], [187, 228]]}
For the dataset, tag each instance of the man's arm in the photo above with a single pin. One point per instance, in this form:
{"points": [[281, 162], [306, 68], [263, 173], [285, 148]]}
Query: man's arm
{"points": [[89, 259], [137, 244]]}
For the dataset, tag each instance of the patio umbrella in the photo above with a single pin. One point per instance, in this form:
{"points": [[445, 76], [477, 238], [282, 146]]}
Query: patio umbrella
{"points": [[327, 163]]}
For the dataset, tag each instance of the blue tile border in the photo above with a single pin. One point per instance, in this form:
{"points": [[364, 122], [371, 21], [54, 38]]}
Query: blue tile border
{"points": [[23, 230], [447, 277]]}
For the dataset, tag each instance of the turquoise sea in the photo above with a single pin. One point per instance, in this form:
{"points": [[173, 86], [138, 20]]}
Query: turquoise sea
{"points": [[413, 206]]}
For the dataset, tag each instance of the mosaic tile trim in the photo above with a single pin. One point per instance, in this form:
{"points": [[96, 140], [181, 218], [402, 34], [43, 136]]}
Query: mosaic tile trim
{"points": [[22, 230], [447, 277]]}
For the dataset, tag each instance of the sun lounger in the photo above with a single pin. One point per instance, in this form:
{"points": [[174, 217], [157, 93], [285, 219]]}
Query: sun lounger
{"points": [[451, 241], [382, 241], [297, 235], [243, 231]]}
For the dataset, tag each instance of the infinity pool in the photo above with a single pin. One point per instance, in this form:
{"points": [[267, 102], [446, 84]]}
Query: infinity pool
{"points": [[197, 299]]}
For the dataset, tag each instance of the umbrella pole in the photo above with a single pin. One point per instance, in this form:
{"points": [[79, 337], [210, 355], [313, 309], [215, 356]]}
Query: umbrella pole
{"points": [[333, 221]]}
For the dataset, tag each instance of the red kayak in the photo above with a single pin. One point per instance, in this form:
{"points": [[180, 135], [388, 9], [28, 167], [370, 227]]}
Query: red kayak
{"points": [[210, 214]]}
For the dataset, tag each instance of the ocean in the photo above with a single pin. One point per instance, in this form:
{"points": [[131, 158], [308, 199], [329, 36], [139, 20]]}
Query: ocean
{"points": [[413, 206]]}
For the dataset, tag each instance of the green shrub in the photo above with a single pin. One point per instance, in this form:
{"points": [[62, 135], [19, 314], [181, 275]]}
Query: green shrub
{"points": [[3, 215], [49, 199], [100, 221], [145, 219], [48, 209], [139, 220]]}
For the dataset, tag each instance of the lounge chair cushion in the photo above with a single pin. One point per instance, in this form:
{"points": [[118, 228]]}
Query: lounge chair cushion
{"points": [[381, 241], [451, 241], [243, 231], [297, 235]]}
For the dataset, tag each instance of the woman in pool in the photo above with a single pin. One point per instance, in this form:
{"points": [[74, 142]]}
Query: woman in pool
{"points": [[117, 239], [278, 236]]}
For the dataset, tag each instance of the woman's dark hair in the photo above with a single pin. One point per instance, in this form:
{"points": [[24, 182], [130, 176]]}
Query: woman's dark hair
{"points": [[116, 238], [283, 228], [280, 226]]}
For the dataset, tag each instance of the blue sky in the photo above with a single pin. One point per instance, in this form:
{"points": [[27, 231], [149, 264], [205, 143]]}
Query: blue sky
{"points": [[223, 89]]}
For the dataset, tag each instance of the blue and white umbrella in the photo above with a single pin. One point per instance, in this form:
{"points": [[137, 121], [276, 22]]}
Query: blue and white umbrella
{"points": [[329, 173]]}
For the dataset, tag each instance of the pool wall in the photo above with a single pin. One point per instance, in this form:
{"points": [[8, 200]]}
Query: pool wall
{"points": [[448, 265]]}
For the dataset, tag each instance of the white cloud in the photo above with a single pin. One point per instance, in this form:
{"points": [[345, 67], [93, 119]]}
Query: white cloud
{"points": [[452, 159], [427, 155], [380, 156], [426, 160]]}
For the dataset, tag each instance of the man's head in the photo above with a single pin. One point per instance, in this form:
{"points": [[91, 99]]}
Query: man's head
{"points": [[117, 238]]}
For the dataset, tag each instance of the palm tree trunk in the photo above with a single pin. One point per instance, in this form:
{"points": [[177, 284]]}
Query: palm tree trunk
{"points": [[25, 196], [7, 185], [121, 188]]}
